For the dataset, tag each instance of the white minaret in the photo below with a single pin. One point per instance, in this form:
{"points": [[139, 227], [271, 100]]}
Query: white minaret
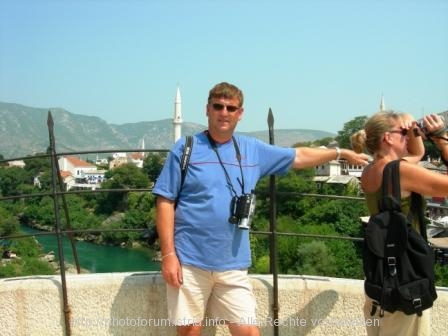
{"points": [[177, 121], [382, 104], [143, 147]]}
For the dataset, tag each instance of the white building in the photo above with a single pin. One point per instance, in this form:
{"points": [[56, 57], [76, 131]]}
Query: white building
{"points": [[80, 174]]}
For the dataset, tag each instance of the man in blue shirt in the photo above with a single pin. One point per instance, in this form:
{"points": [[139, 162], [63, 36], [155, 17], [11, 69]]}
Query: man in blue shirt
{"points": [[205, 253]]}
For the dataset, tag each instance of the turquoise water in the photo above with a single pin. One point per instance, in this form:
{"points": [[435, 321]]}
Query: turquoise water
{"points": [[99, 258]]}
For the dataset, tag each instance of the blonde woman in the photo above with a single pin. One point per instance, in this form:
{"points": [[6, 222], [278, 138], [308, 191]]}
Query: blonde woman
{"points": [[390, 136]]}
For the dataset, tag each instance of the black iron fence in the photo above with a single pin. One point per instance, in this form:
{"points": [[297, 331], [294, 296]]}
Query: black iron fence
{"points": [[58, 193]]}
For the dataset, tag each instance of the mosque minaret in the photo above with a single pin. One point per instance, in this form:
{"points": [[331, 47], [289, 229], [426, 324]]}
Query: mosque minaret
{"points": [[382, 104], [143, 147], [177, 121]]}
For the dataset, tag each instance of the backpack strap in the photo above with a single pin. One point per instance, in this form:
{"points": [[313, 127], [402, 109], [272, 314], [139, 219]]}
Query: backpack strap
{"points": [[184, 163], [391, 200], [391, 196], [390, 187], [151, 234], [185, 158], [391, 179]]}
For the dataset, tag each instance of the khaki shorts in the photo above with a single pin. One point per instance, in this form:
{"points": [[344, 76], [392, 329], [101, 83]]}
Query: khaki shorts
{"points": [[397, 323], [226, 296]]}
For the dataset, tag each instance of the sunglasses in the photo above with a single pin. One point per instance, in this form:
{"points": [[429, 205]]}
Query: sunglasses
{"points": [[220, 107], [403, 131]]}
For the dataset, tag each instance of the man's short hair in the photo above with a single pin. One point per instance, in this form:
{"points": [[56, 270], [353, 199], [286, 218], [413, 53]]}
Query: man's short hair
{"points": [[227, 91]]}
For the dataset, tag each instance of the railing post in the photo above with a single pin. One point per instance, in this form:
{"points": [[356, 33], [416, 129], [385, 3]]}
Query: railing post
{"points": [[273, 229], [54, 182]]}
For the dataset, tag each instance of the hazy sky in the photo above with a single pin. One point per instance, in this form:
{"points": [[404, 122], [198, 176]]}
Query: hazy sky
{"points": [[316, 63]]}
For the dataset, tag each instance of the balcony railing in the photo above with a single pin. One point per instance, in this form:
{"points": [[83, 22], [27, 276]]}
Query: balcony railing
{"points": [[58, 193]]}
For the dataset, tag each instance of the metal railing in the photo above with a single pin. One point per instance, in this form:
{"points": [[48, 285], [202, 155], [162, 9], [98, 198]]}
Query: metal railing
{"points": [[58, 194]]}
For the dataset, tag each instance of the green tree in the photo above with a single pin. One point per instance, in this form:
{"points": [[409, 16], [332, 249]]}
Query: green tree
{"points": [[262, 265], [343, 215], [314, 258], [350, 127], [8, 225], [127, 176], [28, 263], [152, 165], [80, 214], [139, 215], [36, 165], [12, 180], [441, 275], [289, 188]]}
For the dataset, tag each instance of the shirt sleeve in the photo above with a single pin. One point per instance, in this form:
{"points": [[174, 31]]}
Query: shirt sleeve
{"points": [[168, 182], [280, 159]]}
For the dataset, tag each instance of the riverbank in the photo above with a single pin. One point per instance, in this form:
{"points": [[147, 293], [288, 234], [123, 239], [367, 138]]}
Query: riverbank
{"points": [[97, 258], [50, 258]]}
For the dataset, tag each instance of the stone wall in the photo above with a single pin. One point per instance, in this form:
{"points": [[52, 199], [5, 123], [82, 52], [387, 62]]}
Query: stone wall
{"points": [[134, 304]]}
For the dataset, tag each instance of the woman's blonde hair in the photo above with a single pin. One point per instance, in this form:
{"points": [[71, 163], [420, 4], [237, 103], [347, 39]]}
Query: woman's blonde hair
{"points": [[371, 136]]}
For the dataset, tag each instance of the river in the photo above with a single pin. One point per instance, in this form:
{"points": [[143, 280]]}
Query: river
{"points": [[99, 258]]}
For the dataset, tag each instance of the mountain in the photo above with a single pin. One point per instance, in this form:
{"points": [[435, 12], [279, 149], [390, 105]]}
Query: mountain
{"points": [[24, 131]]}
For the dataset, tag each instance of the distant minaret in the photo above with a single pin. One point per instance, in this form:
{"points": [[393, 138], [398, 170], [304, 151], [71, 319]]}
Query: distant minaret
{"points": [[177, 121], [143, 148], [382, 104]]}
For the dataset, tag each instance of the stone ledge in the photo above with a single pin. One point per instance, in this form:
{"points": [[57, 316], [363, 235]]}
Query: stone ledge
{"points": [[125, 303]]}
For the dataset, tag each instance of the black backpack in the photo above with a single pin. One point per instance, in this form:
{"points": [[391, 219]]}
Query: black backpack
{"points": [[398, 262]]}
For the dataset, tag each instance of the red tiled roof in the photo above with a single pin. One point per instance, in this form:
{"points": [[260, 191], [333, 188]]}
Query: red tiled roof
{"points": [[78, 163], [136, 156]]}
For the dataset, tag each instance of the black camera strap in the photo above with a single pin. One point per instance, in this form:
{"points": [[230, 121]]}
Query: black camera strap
{"points": [[238, 157]]}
